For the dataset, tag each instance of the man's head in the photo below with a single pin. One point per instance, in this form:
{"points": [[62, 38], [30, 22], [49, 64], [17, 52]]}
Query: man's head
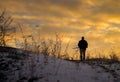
{"points": [[82, 38]]}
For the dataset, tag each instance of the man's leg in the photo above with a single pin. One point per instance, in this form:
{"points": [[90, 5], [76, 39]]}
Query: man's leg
{"points": [[81, 57], [84, 54]]}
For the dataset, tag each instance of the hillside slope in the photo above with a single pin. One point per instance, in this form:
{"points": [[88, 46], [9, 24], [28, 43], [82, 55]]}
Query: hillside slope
{"points": [[27, 67]]}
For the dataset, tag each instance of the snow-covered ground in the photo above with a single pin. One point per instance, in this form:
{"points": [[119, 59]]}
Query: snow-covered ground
{"points": [[41, 68]]}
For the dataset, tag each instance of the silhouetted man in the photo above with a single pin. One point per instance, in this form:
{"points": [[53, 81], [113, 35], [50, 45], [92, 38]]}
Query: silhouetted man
{"points": [[82, 46]]}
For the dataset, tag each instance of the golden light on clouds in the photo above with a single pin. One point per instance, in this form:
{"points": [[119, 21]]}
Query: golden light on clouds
{"points": [[97, 20]]}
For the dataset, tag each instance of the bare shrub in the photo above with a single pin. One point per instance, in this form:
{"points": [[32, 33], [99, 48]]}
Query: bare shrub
{"points": [[51, 47], [114, 57], [57, 46], [5, 28]]}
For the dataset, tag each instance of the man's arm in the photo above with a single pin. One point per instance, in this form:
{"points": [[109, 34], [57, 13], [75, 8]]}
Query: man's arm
{"points": [[86, 44], [79, 44]]}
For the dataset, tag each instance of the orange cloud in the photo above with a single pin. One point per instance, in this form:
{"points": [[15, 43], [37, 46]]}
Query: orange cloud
{"points": [[97, 20]]}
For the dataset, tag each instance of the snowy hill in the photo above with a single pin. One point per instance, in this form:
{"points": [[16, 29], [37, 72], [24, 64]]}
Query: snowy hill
{"points": [[21, 66]]}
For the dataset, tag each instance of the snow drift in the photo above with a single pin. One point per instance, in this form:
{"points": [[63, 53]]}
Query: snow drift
{"points": [[21, 66]]}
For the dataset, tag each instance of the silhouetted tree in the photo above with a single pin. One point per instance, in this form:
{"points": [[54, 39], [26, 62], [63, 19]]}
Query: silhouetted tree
{"points": [[5, 28]]}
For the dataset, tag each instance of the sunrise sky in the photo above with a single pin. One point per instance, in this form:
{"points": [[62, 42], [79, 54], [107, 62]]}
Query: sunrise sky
{"points": [[97, 20]]}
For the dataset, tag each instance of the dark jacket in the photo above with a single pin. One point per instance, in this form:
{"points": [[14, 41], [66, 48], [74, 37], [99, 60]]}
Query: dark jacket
{"points": [[82, 44]]}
